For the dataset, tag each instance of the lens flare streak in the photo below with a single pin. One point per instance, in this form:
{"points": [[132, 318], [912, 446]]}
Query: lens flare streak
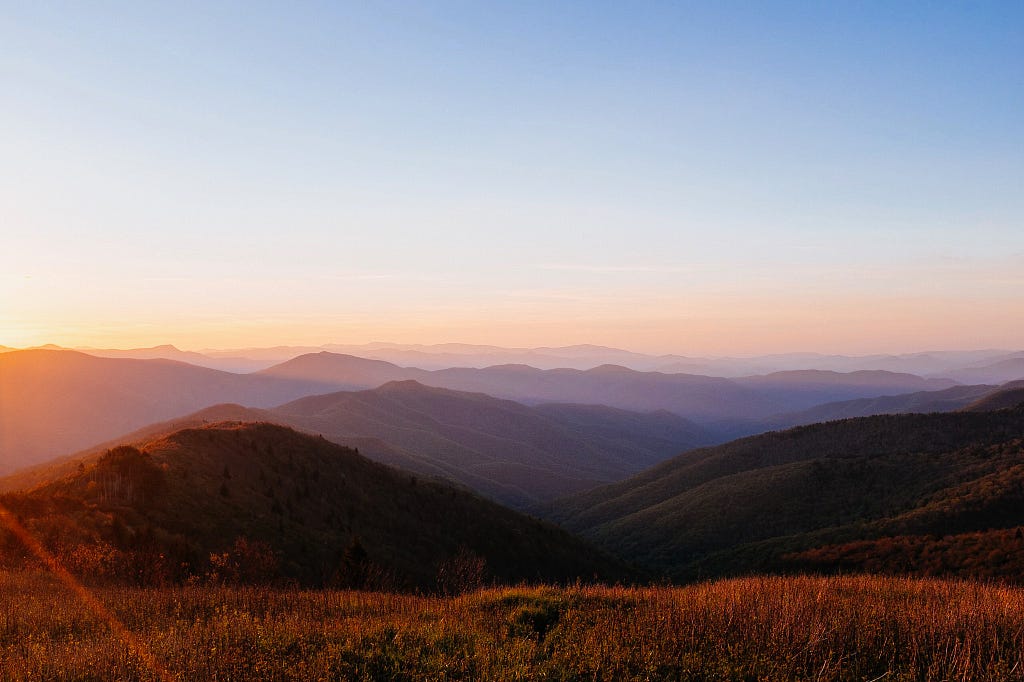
{"points": [[130, 640]]}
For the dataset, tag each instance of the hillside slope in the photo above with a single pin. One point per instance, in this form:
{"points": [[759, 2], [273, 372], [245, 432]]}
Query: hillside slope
{"points": [[921, 402], [759, 503], [53, 402], [1007, 396], [195, 492], [513, 453]]}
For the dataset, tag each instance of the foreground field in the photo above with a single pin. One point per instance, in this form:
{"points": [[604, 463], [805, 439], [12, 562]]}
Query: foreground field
{"points": [[847, 628]]}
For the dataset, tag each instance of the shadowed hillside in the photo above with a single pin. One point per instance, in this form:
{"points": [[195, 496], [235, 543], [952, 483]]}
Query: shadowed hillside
{"points": [[1008, 396], [508, 451], [321, 511], [759, 503]]}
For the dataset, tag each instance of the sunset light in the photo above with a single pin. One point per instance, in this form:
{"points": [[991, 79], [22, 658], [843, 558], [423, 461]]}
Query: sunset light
{"points": [[421, 341]]}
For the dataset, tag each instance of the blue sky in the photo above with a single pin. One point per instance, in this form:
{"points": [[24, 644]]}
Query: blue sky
{"points": [[740, 177]]}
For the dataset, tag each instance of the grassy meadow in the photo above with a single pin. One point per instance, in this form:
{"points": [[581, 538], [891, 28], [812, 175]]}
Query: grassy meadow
{"points": [[802, 628]]}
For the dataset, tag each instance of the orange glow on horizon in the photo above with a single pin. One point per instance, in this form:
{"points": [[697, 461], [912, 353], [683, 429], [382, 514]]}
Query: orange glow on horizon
{"points": [[751, 327]]}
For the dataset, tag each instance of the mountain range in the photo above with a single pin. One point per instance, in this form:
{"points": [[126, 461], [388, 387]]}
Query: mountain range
{"points": [[56, 402], [927, 493], [980, 366], [701, 398]]}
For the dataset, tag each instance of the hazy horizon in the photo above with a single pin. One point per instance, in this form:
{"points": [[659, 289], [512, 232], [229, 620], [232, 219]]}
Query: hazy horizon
{"points": [[447, 346], [699, 180]]}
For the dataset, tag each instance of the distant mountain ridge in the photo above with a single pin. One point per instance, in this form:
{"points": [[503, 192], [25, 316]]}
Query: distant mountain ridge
{"points": [[55, 402], [939, 364], [922, 402], [692, 396], [1009, 369]]}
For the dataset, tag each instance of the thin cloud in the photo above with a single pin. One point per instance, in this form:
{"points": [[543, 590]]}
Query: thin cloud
{"points": [[611, 269]]}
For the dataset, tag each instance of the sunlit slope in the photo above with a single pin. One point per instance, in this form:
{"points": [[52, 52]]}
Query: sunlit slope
{"points": [[56, 402]]}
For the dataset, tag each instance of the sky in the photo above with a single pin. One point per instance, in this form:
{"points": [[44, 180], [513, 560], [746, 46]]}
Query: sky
{"points": [[703, 178]]}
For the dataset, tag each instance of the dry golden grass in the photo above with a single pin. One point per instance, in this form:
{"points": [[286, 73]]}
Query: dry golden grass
{"points": [[845, 628]]}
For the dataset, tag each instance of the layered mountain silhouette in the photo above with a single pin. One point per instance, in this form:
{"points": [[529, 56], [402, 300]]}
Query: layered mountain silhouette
{"points": [[692, 396], [316, 506], [940, 364], [813, 387], [928, 493], [1008, 369], [509, 452], [874, 493], [56, 402]]}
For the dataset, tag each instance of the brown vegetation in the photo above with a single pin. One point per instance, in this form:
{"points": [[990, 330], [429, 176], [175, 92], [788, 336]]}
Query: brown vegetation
{"points": [[827, 629]]}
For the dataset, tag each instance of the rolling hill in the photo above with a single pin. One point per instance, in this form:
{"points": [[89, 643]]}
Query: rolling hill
{"points": [[176, 503], [984, 396], [792, 500], [1006, 396], [922, 402], [53, 402], [512, 453]]}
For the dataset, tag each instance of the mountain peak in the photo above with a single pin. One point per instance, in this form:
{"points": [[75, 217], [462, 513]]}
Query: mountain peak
{"points": [[408, 386], [611, 369]]}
